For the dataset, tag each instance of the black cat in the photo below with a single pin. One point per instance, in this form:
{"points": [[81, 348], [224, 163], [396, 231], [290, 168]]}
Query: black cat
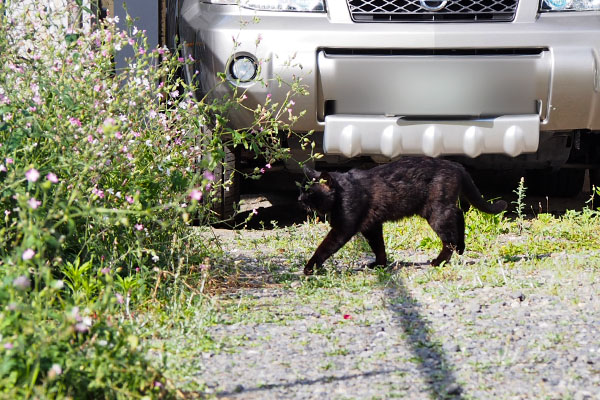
{"points": [[362, 200]]}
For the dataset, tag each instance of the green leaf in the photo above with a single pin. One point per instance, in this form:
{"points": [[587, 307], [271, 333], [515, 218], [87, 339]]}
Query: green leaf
{"points": [[71, 38]]}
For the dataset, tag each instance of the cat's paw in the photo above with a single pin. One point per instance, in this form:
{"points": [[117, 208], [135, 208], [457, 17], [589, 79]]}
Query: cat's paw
{"points": [[308, 271], [439, 261], [376, 264]]}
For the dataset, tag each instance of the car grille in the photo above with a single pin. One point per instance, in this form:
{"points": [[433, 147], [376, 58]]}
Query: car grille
{"points": [[427, 10]]}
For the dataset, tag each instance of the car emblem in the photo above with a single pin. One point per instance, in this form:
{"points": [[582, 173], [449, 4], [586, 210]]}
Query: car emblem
{"points": [[433, 5]]}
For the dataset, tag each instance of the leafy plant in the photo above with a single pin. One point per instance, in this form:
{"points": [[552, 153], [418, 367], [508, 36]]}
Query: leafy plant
{"points": [[520, 204], [101, 174]]}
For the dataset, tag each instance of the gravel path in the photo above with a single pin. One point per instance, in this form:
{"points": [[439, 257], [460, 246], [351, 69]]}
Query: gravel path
{"points": [[416, 338]]}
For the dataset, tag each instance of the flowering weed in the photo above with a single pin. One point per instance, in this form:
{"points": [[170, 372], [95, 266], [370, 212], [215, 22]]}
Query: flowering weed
{"points": [[101, 173]]}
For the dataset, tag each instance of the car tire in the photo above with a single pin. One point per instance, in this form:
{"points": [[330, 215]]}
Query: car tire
{"points": [[562, 183], [227, 196]]}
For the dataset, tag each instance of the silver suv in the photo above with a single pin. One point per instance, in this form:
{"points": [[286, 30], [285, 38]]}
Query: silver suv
{"points": [[497, 84]]}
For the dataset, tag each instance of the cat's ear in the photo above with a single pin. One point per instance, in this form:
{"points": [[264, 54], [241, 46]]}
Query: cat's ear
{"points": [[310, 173], [327, 180]]}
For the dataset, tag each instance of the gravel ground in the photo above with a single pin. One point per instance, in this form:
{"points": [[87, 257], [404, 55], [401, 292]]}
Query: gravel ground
{"points": [[536, 335], [535, 338]]}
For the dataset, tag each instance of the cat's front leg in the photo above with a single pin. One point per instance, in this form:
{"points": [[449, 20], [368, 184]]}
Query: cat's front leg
{"points": [[334, 241], [445, 254], [374, 236]]}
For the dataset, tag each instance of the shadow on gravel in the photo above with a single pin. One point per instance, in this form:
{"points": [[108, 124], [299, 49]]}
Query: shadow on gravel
{"points": [[308, 382], [428, 352]]}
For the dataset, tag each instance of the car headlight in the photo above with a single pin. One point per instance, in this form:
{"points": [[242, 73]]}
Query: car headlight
{"points": [[570, 5], [276, 5]]}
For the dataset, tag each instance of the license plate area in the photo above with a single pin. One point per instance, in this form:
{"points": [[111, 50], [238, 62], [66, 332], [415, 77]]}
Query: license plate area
{"points": [[426, 83]]}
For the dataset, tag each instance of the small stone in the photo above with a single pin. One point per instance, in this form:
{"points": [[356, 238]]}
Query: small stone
{"points": [[238, 388], [457, 348], [475, 308], [573, 358], [453, 389], [582, 395], [519, 296]]}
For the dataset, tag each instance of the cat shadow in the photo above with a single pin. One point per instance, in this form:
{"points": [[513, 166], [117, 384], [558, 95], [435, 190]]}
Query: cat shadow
{"points": [[416, 265], [433, 362]]}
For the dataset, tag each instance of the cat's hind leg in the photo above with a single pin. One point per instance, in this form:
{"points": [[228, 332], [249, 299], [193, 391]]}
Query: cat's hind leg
{"points": [[460, 224], [445, 222], [374, 236]]}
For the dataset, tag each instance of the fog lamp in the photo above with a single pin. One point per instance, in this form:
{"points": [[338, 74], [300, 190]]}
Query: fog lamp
{"points": [[243, 68]]}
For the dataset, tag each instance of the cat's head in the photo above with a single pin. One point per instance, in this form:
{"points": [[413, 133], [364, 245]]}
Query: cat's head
{"points": [[317, 193]]}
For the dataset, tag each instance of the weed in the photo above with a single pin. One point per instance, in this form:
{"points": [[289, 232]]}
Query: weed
{"points": [[520, 204]]}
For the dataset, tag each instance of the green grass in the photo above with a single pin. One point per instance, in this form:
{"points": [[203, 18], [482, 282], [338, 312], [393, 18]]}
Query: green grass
{"points": [[535, 255]]}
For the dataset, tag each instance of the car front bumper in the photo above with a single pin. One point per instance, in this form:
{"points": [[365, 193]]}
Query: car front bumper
{"points": [[545, 65]]}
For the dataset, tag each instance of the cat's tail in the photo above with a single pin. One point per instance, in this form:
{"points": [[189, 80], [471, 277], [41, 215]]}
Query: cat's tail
{"points": [[473, 195]]}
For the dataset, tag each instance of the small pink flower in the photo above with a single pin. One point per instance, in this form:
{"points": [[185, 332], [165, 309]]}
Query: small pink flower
{"points": [[152, 114], [105, 270], [137, 269], [118, 135], [34, 203], [157, 384], [98, 192], [269, 96], [8, 346], [129, 199], [196, 195], [75, 121], [32, 175], [28, 254], [9, 161], [254, 211], [139, 227], [2, 168], [262, 170], [347, 316], [97, 88], [174, 93], [208, 175], [90, 139], [52, 177], [119, 297], [141, 51], [268, 166], [22, 282]]}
